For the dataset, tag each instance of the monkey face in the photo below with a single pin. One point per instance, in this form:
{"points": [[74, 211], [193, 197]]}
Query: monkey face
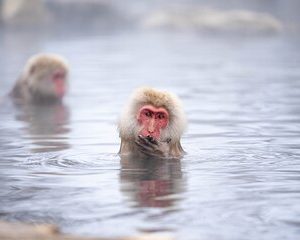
{"points": [[49, 84], [59, 81], [152, 121]]}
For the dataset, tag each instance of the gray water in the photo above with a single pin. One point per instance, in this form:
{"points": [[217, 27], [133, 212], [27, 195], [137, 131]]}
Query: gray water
{"points": [[240, 178]]}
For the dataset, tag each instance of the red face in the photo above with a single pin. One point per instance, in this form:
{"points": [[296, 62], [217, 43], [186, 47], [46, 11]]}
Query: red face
{"points": [[59, 80], [152, 120]]}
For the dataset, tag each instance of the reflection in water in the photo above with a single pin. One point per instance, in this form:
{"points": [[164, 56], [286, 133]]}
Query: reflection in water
{"points": [[151, 182], [46, 125]]}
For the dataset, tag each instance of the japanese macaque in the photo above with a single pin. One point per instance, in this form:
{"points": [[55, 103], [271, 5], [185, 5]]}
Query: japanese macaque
{"points": [[152, 124], [43, 80]]}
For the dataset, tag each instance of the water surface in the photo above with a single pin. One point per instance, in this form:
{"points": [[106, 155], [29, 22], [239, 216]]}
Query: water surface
{"points": [[240, 178]]}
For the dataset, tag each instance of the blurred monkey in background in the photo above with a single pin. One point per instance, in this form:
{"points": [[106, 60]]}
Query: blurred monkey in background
{"points": [[44, 79]]}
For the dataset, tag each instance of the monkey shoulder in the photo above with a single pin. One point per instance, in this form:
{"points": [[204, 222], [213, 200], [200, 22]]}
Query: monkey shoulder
{"points": [[19, 91]]}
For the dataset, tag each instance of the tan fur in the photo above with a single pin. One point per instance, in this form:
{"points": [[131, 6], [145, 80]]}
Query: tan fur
{"points": [[31, 84], [128, 125]]}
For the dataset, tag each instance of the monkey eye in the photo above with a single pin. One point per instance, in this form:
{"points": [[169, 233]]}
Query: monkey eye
{"points": [[148, 113], [160, 116], [58, 76]]}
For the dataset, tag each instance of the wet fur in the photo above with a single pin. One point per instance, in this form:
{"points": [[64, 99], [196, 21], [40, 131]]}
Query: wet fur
{"points": [[127, 126]]}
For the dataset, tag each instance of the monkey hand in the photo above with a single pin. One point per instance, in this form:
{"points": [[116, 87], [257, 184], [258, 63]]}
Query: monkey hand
{"points": [[149, 146]]}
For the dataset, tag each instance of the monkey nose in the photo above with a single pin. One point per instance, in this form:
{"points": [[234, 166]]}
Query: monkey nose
{"points": [[151, 127]]}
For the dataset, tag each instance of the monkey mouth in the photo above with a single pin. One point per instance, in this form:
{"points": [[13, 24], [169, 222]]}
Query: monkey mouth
{"points": [[151, 139], [155, 135]]}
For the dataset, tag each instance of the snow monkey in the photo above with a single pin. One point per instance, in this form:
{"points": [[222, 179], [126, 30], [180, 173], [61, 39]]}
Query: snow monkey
{"points": [[152, 124], [43, 79]]}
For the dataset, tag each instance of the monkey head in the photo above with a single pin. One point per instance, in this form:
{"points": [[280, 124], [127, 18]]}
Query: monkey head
{"points": [[46, 76], [153, 114]]}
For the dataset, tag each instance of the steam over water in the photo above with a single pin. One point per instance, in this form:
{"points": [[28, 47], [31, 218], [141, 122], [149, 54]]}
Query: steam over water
{"points": [[240, 178]]}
